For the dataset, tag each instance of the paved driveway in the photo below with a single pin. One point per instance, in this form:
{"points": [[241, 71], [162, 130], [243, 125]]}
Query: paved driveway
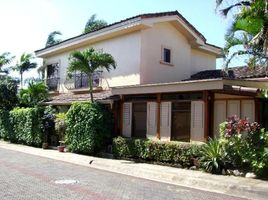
{"points": [[26, 176]]}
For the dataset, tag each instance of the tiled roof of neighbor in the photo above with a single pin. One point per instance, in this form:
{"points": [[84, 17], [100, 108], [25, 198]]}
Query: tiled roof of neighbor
{"points": [[68, 98], [148, 15], [232, 73]]}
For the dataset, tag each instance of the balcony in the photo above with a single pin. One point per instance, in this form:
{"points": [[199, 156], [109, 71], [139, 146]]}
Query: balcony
{"points": [[80, 82], [52, 83]]}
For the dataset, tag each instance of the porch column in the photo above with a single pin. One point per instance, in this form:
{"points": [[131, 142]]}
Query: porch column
{"points": [[206, 113], [121, 116], [158, 116]]}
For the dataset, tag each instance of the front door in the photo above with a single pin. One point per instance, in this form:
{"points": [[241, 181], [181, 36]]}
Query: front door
{"points": [[139, 120], [181, 121]]}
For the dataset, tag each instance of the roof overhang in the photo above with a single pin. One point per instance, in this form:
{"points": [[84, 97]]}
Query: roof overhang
{"points": [[85, 39], [195, 38], [188, 86], [182, 86]]}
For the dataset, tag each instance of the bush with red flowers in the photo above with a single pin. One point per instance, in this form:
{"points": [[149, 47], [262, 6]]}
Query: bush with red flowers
{"points": [[245, 145]]}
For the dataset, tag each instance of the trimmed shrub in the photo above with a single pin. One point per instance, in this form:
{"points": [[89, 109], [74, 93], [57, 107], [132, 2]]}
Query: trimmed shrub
{"points": [[181, 153], [5, 127], [27, 126], [88, 127]]}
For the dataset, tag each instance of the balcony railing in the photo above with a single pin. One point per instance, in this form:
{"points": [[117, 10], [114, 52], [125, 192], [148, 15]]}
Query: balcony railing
{"points": [[52, 83], [81, 81]]}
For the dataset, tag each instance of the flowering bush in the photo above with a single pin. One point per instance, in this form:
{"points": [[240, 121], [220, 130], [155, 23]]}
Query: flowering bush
{"points": [[235, 125], [245, 144]]}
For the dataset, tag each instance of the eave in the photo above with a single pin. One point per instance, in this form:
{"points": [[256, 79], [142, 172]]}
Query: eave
{"points": [[189, 86]]}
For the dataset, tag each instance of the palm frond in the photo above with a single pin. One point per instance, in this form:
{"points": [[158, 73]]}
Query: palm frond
{"points": [[93, 24], [5, 58], [51, 39], [226, 10]]}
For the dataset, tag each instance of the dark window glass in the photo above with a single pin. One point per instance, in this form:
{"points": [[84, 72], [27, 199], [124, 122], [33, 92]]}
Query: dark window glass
{"points": [[140, 97], [167, 55], [53, 70], [183, 96]]}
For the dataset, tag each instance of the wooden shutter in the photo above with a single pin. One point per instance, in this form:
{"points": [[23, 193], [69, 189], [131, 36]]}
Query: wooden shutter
{"points": [[197, 121], [151, 119], [219, 115], [127, 119], [165, 120], [233, 108], [248, 110]]}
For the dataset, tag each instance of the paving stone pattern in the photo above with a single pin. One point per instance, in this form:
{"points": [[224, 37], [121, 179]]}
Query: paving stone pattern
{"points": [[24, 176]]}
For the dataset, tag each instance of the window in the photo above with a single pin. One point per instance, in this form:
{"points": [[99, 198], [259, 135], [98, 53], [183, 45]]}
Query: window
{"points": [[166, 56]]}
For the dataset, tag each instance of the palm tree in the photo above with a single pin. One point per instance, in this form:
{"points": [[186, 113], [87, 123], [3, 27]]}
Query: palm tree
{"points": [[94, 24], [51, 39], [24, 65], [36, 92], [5, 58], [249, 30], [88, 61]]}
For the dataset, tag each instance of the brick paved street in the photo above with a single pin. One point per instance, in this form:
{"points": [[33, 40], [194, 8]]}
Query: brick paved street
{"points": [[26, 176]]}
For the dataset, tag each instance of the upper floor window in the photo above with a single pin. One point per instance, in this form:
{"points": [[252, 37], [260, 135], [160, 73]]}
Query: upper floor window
{"points": [[53, 70], [166, 56]]}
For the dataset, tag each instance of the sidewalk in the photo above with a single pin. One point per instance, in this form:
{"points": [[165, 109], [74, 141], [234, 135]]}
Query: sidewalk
{"points": [[236, 186]]}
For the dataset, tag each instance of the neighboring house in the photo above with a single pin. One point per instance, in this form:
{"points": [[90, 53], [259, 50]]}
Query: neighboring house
{"points": [[165, 86]]}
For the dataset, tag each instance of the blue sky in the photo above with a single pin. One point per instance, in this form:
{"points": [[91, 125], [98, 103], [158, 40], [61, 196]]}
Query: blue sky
{"points": [[25, 24]]}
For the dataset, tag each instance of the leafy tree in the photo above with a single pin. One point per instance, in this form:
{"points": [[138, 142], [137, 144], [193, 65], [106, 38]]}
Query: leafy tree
{"points": [[34, 94], [88, 61], [8, 93], [248, 32], [5, 59], [51, 39], [94, 24], [24, 65]]}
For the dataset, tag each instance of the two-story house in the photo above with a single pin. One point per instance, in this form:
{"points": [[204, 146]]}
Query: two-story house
{"points": [[165, 86]]}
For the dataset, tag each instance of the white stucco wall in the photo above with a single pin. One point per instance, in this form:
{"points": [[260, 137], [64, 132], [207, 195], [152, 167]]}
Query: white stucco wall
{"points": [[152, 71], [202, 61], [185, 60], [126, 52], [138, 55]]}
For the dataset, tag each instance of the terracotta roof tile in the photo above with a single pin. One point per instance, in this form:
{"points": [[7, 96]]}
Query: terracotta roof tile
{"points": [[68, 98]]}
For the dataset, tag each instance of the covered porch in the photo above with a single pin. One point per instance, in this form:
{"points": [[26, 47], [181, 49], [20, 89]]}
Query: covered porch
{"points": [[186, 110]]}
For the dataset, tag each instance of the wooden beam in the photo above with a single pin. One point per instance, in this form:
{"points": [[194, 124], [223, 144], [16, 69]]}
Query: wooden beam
{"points": [[206, 114], [158, 116], [121, 116]]}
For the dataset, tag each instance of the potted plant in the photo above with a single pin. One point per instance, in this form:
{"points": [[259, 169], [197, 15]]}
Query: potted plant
{"points": [[60, 130]]}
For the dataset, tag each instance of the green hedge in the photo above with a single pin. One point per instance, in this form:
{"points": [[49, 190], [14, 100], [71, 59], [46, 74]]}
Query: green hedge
{"points": [[88, 127], [5, 127], [27, 126], [180, 153]]}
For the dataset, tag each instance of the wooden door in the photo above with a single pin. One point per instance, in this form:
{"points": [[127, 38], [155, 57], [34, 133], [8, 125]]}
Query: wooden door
{"points": [[181, 121], [139, 120]]}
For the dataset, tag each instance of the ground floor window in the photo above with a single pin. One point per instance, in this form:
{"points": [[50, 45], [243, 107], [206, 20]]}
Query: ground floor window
{"points": [[181, 121], [139, 119]]}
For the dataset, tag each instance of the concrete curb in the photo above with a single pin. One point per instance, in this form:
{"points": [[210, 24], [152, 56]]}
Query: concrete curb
{"points": [[236, 186]]}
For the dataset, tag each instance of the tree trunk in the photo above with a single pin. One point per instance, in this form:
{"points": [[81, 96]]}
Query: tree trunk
{"points": [[90, 82], [21, 81]]}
